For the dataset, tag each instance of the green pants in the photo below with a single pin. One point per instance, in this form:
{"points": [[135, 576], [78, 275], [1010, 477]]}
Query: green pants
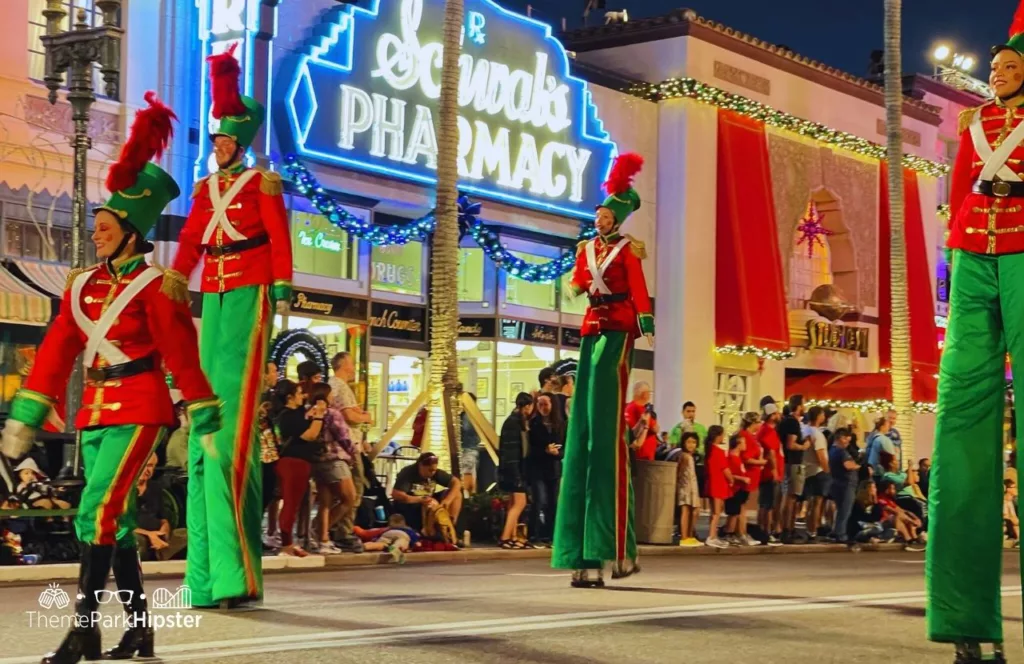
{"points": [[225, 488], [594, 521], [113, 458], [964, 560]]}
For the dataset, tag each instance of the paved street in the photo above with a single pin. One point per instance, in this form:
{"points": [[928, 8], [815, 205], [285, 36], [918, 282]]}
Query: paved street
{"points": [[865, 607]]}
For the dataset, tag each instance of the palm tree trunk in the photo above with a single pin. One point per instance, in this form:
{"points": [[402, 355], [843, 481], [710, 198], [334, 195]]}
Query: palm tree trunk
{"points": [[444, 321], [902, 375]]}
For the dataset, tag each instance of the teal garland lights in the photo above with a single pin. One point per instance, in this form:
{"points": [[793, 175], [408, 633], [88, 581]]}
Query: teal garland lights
{"points": [[419, 229]]}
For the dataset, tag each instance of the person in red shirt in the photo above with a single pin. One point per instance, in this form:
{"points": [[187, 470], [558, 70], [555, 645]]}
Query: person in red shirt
{"points": [[740, 483], [755, 463], [719, 481], [642, 421], [769, 501]]}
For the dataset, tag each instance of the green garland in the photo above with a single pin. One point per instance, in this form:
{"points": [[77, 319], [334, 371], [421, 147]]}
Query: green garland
{"points": [[690, 88]]}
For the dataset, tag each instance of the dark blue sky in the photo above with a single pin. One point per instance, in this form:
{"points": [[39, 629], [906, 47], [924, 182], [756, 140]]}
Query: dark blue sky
{"points": [[841, 33]]}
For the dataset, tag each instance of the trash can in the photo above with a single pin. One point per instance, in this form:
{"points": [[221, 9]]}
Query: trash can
{"points": [[654, 487]]}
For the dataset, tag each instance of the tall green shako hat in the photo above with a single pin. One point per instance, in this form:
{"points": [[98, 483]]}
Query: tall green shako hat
{"points": [[139, 189], [240, 116], [622, 197]]}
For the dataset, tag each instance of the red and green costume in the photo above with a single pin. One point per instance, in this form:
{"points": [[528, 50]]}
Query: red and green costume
{"points": [[986, 321], [129, 321], [238, 228], [594, 522]]}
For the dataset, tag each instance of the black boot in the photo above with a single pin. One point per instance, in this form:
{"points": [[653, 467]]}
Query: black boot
{"points": [[138, 637], [83, 640]]}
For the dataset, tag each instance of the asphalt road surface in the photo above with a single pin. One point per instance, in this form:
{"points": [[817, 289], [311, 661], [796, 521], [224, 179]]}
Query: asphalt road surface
{"points": [[866, 607]]}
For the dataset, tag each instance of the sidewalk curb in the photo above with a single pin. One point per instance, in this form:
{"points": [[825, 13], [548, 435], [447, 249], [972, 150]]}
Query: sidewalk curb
{"points": [[20, 574]]}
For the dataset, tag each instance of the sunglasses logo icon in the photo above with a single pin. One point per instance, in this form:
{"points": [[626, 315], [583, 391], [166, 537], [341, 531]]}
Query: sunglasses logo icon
{"points": [[106, 596]]}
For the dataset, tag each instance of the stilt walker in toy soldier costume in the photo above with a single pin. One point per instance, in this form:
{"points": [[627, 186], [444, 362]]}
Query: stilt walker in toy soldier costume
{"points": [[238, 220], [986, 321], [594, 523], [130, 320]]}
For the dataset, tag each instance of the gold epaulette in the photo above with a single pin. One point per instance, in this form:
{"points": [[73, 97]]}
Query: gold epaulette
{"points": [[271, 183], [581, 247], [638, 247], [199, 187], [75, 272], [175, 285], [967, 117]]}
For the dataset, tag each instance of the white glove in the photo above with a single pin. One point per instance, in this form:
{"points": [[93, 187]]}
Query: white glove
{"points": [[17, 440]]}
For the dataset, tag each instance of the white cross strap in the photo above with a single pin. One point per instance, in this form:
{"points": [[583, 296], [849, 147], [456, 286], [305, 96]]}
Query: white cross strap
{"points": [[221, 204], [995, 160], [598, 286], [96, 331]]}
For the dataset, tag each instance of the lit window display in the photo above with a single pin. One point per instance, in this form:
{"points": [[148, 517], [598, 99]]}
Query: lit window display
{"points": [[394, 382], [517, 368], [397, 269], [321, 248], [336, 336], [571, 303], [471, 274], [527, 294], [476, 372]]}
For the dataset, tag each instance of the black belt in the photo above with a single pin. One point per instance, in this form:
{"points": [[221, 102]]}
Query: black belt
{"points": [[599, 300], [238, 247], [124, 370], [999, 189]]}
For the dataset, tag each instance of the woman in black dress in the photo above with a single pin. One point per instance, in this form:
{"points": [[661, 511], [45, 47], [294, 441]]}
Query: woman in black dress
{"points": [[543, 466], [513, 445]]}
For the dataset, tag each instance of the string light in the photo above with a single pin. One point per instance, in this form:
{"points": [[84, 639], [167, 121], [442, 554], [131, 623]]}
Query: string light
{"points": [[869, 405], [759, 353], [291, 341], [419, 229], [674, 88], [943, 212]]}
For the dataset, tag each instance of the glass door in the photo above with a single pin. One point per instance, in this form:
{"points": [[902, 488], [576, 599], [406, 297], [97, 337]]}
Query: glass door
{"points": [[375, 398]]}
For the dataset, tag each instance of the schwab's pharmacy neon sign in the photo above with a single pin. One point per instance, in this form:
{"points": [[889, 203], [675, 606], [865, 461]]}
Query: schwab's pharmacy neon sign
{"points": [[364, 95]]}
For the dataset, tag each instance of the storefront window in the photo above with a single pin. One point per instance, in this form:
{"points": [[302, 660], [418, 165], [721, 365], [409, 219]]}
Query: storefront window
{"points": [[476, 372], [471, 274], [395, 381], [528, 294], [336, 336], [321, 248], [398, 269], [569, 354], [732, 398], [518, 366]]}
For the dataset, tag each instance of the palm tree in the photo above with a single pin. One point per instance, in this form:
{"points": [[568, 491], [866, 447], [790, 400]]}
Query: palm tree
{"points": [[444, 310], [902, 374]]}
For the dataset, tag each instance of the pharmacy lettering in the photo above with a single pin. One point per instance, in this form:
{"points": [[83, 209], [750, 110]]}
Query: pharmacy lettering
{"points": [[365, 92]]}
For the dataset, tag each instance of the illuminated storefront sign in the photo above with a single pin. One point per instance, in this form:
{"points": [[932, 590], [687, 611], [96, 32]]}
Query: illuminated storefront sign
{"points": [[398, 322], [836, 336], [326, 305], [518, 330], [364, 96], [477, 328]]}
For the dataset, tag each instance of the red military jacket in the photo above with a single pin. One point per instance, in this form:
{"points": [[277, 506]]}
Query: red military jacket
{"points": [[622, 273], [151, 324], [256, 210], [979, 223]]}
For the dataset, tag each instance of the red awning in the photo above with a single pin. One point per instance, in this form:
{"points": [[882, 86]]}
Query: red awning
{"points": [[924, 351], [750, 295], [828, 386]]}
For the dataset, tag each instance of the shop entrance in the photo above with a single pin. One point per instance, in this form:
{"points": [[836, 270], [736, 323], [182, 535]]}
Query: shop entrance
{"points": [[395, 379]]}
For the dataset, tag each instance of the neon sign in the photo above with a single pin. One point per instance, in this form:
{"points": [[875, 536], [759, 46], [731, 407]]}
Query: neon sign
{"points": [[364, 95]]}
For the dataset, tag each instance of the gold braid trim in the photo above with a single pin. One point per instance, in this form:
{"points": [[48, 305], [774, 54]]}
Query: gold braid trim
{"points": [[638, 247], [271, 183], [967, 117], [175, 286], [581, 247], [74, 273]]}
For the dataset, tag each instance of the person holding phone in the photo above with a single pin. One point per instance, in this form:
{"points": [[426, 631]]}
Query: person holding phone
{"points": [[301, 447], [643, 422], [543, 466]]}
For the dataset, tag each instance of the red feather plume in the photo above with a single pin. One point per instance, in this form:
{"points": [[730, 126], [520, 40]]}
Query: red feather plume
{"points": [[625, 167], [151, 132], [224, 75], [1017, 27]]}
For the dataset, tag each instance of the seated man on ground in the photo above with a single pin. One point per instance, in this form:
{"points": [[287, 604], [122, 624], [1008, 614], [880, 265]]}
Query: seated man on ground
{"points": [[415, 491], [153, 535], [905, 523]]}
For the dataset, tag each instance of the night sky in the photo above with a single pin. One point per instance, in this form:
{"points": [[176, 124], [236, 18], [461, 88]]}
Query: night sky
{"points": [[843, 35]]}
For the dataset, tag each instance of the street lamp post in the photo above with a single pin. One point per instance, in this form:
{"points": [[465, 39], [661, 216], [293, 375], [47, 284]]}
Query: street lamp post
{"points": [[75, 52]]}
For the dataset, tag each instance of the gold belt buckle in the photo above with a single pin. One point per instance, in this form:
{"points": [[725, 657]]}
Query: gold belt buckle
{"points": [[1000, 189], [95, 375]]}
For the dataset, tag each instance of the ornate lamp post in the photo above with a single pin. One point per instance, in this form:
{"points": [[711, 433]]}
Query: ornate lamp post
{"points": [[75, 52]]}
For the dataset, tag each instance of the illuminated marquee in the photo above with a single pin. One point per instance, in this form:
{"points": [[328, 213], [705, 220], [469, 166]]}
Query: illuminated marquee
{"points": [[365, 93]]}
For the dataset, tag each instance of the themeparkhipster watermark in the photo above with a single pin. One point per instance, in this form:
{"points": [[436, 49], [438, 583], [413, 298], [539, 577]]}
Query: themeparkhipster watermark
{"points": [[167, 610]]}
